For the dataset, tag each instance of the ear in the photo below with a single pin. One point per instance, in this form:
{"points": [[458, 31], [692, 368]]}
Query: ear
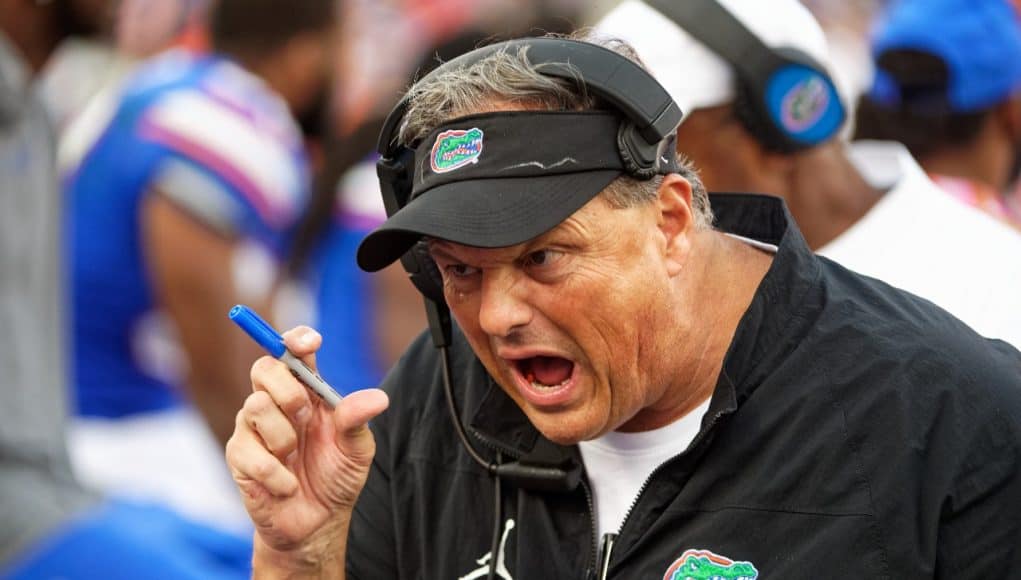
{"points": [[676, 221]]}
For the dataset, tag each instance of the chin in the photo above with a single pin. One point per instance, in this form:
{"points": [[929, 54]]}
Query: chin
{"points": [[563, 430]]}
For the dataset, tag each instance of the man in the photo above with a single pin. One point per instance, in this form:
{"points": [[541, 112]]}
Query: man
{"points": [[50, 526], [868, 206], [183, 207], [37, 490], [948, 86], [710, 403]]}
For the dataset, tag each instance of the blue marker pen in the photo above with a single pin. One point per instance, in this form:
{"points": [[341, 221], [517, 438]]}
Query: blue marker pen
{"points": [[262, 333]]}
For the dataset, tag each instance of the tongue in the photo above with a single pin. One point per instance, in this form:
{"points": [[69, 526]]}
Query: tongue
{"points": [[550, 370]]}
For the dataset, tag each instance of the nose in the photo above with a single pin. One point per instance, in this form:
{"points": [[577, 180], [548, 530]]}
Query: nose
{"points": [[503, 307]]}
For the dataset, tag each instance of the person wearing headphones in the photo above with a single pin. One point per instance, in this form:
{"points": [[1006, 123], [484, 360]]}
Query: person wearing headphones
{"points": [[762, 114], [633, 379]]}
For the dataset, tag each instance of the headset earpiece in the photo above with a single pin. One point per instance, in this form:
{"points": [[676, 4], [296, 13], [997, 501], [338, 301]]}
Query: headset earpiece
{"points": [[424, 272], [395, 175], [640, 158]]}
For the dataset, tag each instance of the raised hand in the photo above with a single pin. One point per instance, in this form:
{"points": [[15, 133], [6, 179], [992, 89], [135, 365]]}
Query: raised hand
{"points": [[300, 465]]}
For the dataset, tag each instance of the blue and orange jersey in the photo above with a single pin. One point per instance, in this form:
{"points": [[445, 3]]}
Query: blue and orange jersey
{"points": [[222, 146]]}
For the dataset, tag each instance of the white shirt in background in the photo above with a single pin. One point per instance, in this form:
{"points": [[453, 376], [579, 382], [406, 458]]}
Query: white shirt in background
{"points": [[923, 240]]}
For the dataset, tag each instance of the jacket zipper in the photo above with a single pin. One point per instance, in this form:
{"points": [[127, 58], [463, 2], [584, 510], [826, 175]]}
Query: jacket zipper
{"points": [[600, 561], [594, 545], [694, 443], [605, 551]]}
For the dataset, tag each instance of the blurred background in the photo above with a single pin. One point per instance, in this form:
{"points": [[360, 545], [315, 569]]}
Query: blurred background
{"points": [[162, 160]]}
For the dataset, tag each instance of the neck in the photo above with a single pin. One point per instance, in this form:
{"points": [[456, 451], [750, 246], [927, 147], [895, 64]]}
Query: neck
{"points": [[983, 161], [827, 194], [719, 290]]}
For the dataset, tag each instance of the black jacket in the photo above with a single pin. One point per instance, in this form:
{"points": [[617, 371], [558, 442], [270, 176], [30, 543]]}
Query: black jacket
{"points": [[856, 431]]}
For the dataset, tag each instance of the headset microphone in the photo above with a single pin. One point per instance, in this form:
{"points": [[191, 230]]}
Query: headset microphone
{"points": [[538, 478], [524, 475]]}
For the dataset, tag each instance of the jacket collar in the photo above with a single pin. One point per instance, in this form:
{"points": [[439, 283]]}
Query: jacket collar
{"points": [[787, 300]]}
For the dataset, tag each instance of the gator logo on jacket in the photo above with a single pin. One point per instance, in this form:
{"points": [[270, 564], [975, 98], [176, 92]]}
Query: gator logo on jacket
{"points": [[705, 565], [456, 148]]}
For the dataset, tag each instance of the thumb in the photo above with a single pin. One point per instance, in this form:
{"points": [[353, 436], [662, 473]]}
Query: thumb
{"points": [[351, 418]]}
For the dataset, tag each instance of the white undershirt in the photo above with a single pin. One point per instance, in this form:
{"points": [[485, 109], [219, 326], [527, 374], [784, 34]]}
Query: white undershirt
{"points": [[619, 463]]}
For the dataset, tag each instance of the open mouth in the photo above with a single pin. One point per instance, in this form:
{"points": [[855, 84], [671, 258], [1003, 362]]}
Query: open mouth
{"points": [[545, 372]]}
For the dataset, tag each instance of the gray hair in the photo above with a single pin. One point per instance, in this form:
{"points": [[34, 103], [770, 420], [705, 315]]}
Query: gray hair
{"points": [[503, 79]]}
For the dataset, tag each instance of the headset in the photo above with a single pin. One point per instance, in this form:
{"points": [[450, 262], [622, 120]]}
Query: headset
{"points": [[646, 141], [784, 97]]}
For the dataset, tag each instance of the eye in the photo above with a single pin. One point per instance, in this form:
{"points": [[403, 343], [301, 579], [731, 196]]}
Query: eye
{"points": [[460, 270], [544, 257], [460, 278]]}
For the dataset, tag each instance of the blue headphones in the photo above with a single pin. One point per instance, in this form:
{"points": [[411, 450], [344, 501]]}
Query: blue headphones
{"points": [[784, 97]]}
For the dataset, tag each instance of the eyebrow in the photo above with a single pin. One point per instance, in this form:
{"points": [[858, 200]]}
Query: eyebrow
{"points": [[435, 249]]}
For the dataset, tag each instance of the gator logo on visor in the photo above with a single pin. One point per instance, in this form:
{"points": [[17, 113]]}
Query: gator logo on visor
{"points": [[455, 148], [705, 565]]}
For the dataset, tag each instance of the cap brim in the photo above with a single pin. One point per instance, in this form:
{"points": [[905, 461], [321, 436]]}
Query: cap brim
{"points": [[485, 213]]}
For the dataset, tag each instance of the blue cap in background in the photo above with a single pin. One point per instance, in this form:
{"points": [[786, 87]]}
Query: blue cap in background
{"points": [[979, 40]]}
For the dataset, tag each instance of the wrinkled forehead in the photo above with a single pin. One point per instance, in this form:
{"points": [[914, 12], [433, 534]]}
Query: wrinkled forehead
{"points": [[447, 251]]}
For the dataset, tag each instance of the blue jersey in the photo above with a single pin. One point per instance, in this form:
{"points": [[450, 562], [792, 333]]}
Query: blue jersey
{"points": [[223, 147]]}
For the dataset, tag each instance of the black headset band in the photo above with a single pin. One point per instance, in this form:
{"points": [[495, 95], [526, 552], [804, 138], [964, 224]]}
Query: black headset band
{"points": [[620, 81]]}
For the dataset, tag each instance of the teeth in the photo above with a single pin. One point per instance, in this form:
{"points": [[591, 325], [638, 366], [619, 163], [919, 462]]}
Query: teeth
{"points": [[539, 385]]}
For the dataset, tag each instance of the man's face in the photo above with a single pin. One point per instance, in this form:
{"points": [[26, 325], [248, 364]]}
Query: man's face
{"points": [[567, 323]]}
